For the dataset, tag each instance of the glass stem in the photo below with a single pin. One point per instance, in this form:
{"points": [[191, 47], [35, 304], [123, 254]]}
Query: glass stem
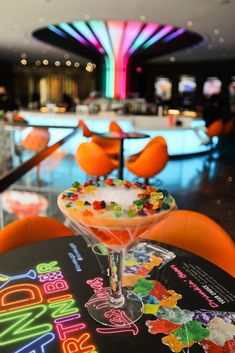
{"points": [[116, 298]]}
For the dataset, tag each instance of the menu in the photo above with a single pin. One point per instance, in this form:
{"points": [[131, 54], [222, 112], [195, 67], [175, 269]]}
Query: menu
{"points": [[45, 287]]}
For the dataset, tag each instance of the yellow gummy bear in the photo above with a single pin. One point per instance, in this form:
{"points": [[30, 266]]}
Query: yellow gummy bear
{"points": [[151, 308], [155, 261], [171, 301], [91, 188], [131, 263], [73, 209], [174, 344], [130, 280], [79, 203]]}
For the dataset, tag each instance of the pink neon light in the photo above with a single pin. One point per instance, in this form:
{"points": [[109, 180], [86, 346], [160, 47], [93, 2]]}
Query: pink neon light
{"points": [[56, 286], [145, 34], [67, 318], [118, 317], [64, 330], [116, 30], [79, 345], [50, 276]]}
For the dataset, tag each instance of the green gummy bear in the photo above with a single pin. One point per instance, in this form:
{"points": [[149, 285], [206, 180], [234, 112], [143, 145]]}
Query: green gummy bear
{"points": [[192, 331], [143, 287], [140, 202], [76, 184]]}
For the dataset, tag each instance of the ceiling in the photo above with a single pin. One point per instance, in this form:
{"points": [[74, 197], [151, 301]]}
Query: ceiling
{"points": [[213, 19]]}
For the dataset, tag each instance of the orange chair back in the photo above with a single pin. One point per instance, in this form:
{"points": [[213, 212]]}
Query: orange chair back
{"points": [[86, 131], [93, 160], [110, 146], [228, 127], [31, 230], [157, 139], [114, 127], [36, 140], [215, 129], [197, 233], [150, 162]]}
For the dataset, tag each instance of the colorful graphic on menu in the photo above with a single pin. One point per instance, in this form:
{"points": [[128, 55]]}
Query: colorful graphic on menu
{"points": [[24, 307], [38, 310]]}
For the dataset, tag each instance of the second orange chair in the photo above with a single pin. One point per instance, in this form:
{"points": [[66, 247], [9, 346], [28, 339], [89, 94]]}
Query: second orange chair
{"points": [[94, 161], [151, 161]]}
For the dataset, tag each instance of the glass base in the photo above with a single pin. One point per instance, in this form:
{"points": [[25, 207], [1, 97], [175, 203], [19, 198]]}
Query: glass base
{"points": [[101, 311]]}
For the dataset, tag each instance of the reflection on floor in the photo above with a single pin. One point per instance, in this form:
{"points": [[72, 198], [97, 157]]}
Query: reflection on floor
{"points": [[197, 184]]}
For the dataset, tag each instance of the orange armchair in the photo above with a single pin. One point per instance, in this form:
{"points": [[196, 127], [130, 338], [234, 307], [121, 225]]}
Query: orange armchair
{"points": [[151, 161], [155, 139], [197, 233], [114, 127], [86, 131], [215, 129], [93, 160], [36, 140], [31, 230]]}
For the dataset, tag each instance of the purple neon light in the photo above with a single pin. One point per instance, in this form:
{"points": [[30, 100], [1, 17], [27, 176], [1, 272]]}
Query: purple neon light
{"points": [[160, 34], [68, 29], [145, 34], [84, 29], [174, 35]]}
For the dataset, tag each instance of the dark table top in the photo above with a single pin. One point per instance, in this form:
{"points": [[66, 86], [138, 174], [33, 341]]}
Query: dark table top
{"points": [[121, 136], [44, 289]]}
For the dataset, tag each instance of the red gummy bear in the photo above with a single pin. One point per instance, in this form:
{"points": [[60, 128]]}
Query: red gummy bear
{"points": [[98, 205], [159, 291], [210, 347], [229, 346], [109, 181], [161, 326]]}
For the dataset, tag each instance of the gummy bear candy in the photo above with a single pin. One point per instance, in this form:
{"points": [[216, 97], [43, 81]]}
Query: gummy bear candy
{"points": [[203, 316], [210, 347], [151, 308], [229, 346], [192, 331], [159, 291], [175, 315], [174, 344], [172, 299], [143, 287], [150, 299], [130, 281], [220, 331], [161, 326]]}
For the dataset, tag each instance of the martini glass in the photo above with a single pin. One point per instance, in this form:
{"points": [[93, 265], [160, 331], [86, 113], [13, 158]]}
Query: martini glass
{"points": [[116, 234]]}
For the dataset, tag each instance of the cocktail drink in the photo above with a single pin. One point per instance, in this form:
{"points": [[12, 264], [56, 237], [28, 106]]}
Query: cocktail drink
{"points": [[115, 212]]}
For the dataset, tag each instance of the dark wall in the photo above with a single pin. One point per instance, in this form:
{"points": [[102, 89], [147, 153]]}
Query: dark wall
{"points": [[144, 82], [6, 76]]}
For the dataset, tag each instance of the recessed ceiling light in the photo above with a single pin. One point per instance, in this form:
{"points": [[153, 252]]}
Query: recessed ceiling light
{"points": [[172, 59], [216, 31], [68, 63], [57, 63], [142, 18], [221, 40], [189, 23], [24, 62], [76, 64], [45, 62], [37, 62], [87, 16]]}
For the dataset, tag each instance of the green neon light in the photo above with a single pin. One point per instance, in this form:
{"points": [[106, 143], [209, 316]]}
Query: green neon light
{"points": [[21, 324], [101, 32], [47, 267], [63, 308]]}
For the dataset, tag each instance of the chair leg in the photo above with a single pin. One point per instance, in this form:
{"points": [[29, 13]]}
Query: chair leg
{"points": [[146, 180]]}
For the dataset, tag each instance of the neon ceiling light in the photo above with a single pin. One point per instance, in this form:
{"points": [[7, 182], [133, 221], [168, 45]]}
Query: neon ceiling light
{"points": [[117, 42]]}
